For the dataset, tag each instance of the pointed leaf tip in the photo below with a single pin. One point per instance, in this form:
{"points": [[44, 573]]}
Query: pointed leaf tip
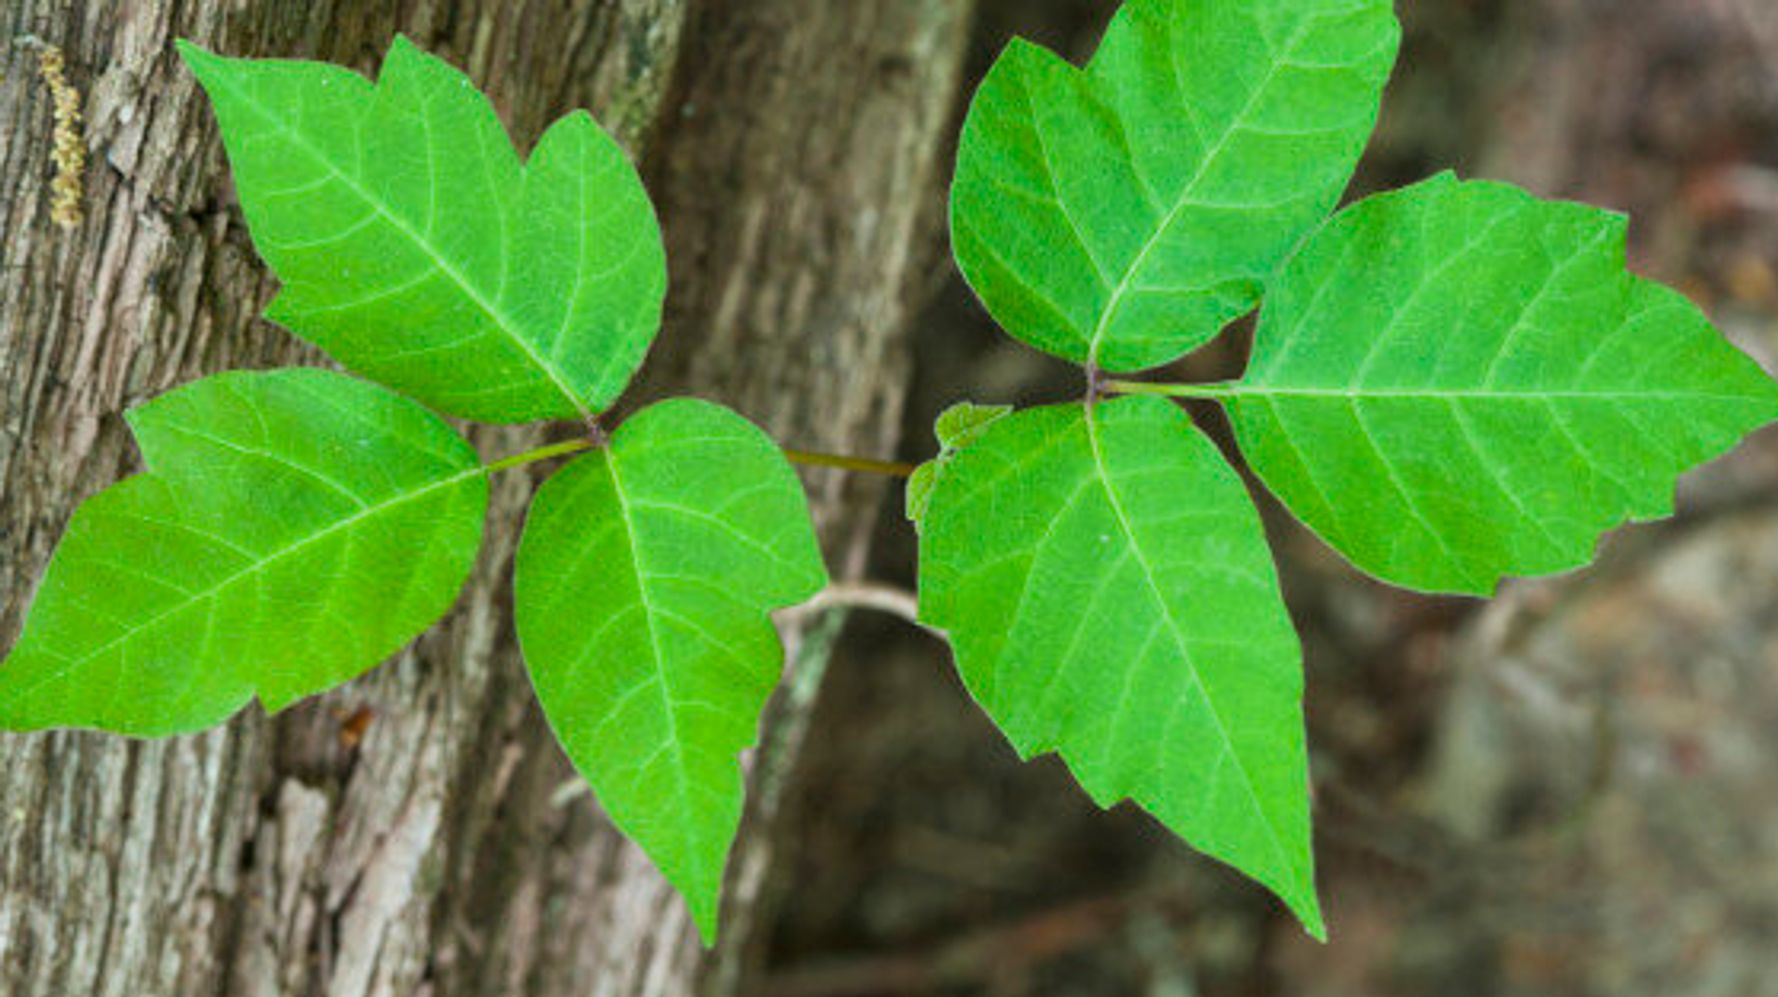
{"points": [[294, 529], [1457, 382], [416, 249], [644, 584], [1084, 200], [1144, 640]]}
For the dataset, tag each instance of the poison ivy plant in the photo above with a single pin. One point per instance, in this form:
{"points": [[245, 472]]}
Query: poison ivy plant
{"points": [[1452, 384], [644, 581], [298, 526]]}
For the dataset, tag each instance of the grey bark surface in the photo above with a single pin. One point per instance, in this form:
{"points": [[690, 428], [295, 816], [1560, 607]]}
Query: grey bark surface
{"points": [[794, 148]]}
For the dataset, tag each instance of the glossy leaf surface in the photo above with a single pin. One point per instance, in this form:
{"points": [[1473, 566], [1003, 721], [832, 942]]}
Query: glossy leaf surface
{"points": [[1108, 591], [1459, 382], [294, 529], [644, 583], [416, 248], [1123, 215]]}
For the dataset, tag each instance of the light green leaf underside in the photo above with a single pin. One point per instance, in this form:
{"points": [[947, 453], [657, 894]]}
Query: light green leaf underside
{"points": [[644, 582], [957, 427], [1123, 215], [1458, 382], [919, 490], [295, 528], [1109, 594], [965, 422], [415, 248]]}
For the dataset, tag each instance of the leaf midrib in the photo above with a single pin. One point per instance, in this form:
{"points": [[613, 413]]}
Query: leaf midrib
{"points": [[255, 567], [1185, 199], [656, 657], [1179, 640], [488, 307], [1261, 390]]}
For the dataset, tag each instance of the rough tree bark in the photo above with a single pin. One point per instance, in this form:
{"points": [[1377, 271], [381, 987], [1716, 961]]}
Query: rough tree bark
{"points": [[793, 146]]}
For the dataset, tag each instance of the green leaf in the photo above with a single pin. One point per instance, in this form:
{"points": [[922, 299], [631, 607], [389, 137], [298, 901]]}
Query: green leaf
{"points": [[295, 528], [644, 581], [1458, 382], [919, 490], [416, 248], [957, 427], [1123, 215], [1108, 591], [965, 422]]}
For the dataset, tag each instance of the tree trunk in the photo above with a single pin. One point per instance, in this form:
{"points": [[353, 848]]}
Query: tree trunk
{"points": [[793, 146]]}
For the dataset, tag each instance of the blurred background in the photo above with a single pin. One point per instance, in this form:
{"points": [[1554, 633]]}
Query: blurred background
{"points": [[1569, 790]]}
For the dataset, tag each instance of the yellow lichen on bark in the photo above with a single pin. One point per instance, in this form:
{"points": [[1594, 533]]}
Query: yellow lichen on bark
{"points": [[67, 189]]}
